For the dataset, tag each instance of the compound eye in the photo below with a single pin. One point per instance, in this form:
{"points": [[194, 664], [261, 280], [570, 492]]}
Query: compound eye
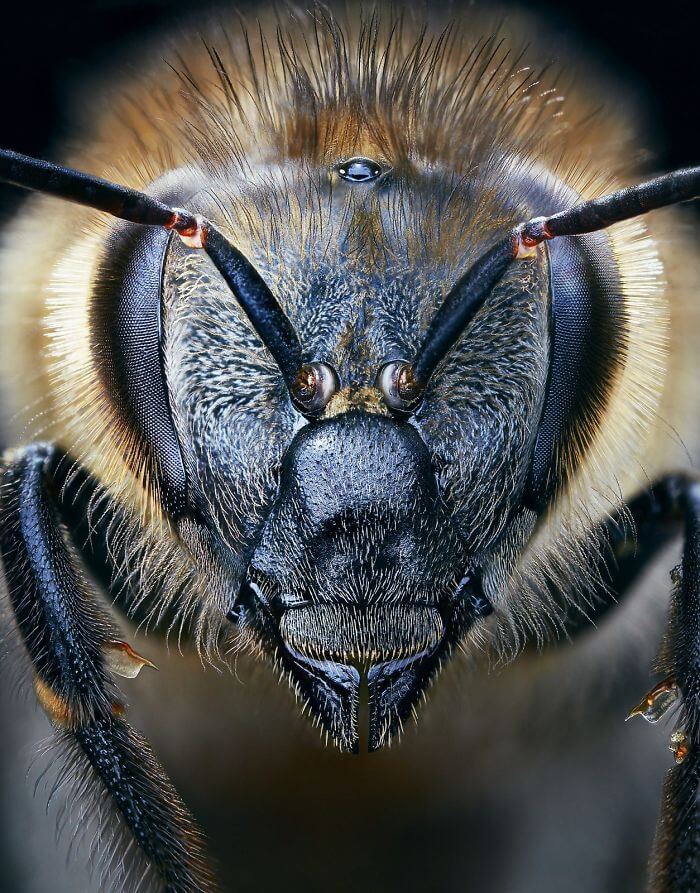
{"points": [[397, 382], [313, 388]]}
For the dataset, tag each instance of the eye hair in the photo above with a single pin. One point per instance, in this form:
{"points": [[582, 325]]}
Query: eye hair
{"points": [[469, 293], [260, 305], [256, 299]]}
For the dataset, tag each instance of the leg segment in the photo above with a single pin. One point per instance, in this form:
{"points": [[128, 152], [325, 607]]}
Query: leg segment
{"points": [[676, 858], [65, 634], [671, 506], [92, 520]]}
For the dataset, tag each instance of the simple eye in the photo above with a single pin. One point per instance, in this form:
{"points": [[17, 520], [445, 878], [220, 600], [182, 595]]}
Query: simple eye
{"points": [[314, 387], [399, 387], [359, 170]]}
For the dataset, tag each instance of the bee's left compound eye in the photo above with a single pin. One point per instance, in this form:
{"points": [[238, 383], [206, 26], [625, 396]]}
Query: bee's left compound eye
{"points": [[400, 389], [313, 388]]}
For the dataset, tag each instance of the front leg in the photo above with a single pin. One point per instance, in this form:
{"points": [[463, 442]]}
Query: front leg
{"points": [[676, 857], [657, 515], [66, 636]]}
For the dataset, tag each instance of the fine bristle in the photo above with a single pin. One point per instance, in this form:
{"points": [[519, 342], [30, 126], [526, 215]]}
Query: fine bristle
{"points": [[256, 116]]}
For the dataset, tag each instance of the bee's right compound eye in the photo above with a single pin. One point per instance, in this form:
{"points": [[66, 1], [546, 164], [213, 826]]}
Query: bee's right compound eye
{"points": [[401, 390], [313, 388]]}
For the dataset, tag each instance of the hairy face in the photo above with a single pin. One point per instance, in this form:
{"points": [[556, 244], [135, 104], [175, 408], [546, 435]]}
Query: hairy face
{"points": [[361, 545], [355, 544]]}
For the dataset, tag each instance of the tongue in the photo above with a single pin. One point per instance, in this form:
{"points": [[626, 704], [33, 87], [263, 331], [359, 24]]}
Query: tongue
{"points": [[355, 663]]}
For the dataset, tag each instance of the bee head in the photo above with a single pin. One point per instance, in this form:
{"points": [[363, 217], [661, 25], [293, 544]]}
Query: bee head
{"points": [[356, 508], [355, 441]]}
